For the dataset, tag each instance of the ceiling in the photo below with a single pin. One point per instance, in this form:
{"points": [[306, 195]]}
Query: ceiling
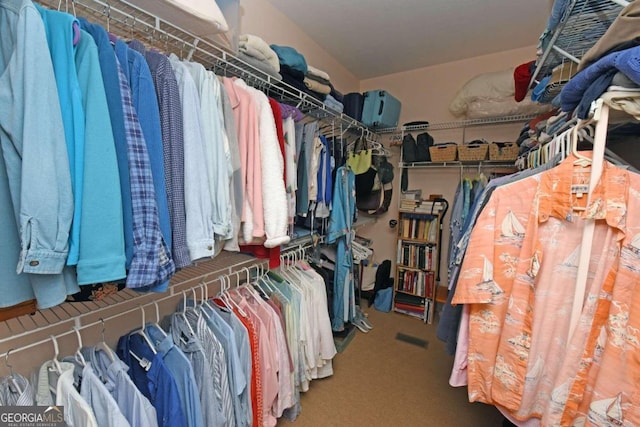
{"points": [[378, 37]]}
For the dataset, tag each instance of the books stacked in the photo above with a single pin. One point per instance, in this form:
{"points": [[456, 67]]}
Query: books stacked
{"points": [[411, 305], [421, 206]]}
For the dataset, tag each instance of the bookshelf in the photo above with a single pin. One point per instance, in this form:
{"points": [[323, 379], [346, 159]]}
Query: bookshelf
{"points": [[417, 263]]}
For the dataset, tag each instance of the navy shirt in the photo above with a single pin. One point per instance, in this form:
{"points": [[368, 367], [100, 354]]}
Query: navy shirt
{"points": [[156, 384]]}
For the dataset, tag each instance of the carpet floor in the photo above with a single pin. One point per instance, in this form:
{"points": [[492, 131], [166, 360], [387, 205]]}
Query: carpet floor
{"points": [[395, 375]]}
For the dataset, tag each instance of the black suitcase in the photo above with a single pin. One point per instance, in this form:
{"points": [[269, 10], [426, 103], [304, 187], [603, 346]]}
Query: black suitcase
{"points": [[353, 103]]}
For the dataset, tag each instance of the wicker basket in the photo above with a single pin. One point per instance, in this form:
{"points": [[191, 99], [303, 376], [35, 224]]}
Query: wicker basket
{"points": [[503, 151], [443, 153], [473, 152]]}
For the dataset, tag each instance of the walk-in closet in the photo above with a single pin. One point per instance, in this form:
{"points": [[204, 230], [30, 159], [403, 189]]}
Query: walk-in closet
{"points": [[235, 213]]}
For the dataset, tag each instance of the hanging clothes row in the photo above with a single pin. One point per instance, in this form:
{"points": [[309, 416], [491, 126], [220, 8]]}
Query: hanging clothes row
{"points": [[241, 358], [531, 339], [144, 163]]}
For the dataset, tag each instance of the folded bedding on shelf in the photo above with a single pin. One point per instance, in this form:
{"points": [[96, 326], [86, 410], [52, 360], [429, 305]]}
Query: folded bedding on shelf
{"points": [[624, 61], [317, 86], [623, 33], [486, 86], [288, 55], [258, 48], [334, 104], [507, 106], [260, 65], [316, 74]]}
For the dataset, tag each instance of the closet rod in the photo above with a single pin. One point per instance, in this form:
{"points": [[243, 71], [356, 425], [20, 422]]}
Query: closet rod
{"points": [[259, 268], [214, 55]]}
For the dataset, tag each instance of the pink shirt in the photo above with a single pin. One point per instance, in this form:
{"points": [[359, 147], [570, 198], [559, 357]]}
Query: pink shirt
{"points": [[245, 114]]}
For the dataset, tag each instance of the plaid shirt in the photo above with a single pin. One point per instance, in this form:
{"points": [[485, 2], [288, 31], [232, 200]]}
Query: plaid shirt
{"points": [[171, 125], [151, 262]]}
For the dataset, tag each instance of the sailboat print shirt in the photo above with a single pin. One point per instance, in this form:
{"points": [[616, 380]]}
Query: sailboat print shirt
{"points": [[519, 278]]}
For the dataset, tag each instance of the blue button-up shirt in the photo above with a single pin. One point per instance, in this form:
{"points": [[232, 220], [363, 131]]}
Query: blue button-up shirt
{"points": [[132, 403], [171, 125], [109, 70], [181, 369], [157, 383]]}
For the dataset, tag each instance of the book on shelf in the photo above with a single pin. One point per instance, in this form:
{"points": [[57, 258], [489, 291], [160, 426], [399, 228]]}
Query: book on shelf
{"points": [[410, 309], [409, 299]]}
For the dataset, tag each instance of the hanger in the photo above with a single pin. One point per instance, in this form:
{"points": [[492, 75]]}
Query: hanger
{"points": [[13, 382], [102, 345], [582, 161], [203, 301], [142, 332], [249, 285], [228, 299], [56, 363], [183, 314], [157, 322], [78, 354]]}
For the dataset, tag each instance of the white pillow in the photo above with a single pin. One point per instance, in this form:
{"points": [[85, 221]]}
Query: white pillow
{"points": [[494, 85]]}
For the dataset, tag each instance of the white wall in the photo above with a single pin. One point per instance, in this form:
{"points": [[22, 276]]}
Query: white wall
{"points": [[425, 94]]}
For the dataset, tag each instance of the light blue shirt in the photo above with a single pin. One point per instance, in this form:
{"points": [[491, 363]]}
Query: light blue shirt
{"points": [[101, 257], [60, 34], [36, 199], [96, 243], [243, 346], [218, 158], [193, 349], [94, 392], [238, 381], [182, 372], [134, 406], [340, 231]]}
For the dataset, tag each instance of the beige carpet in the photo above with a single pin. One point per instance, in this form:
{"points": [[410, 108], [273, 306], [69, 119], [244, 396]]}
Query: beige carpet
{"points": [[381, 381]]}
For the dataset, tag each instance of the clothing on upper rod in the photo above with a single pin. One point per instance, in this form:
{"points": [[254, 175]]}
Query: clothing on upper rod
{"points": [[139, 158]]}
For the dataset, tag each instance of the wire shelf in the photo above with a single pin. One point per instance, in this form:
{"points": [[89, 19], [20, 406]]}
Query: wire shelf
{"points": [[126, 20], [582, 24]]}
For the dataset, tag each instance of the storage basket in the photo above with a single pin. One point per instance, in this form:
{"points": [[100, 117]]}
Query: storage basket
{"points": [[443, 152], [503, 151], [473, 152]]}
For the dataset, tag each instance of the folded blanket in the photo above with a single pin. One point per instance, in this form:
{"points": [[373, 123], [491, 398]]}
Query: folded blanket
{"points": [[260, 65], [332, 103], [313, 71], [255, 43], [625, 61], [252, 51], [291, 57], [316, 86], [318, 79], [338, 96]]}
